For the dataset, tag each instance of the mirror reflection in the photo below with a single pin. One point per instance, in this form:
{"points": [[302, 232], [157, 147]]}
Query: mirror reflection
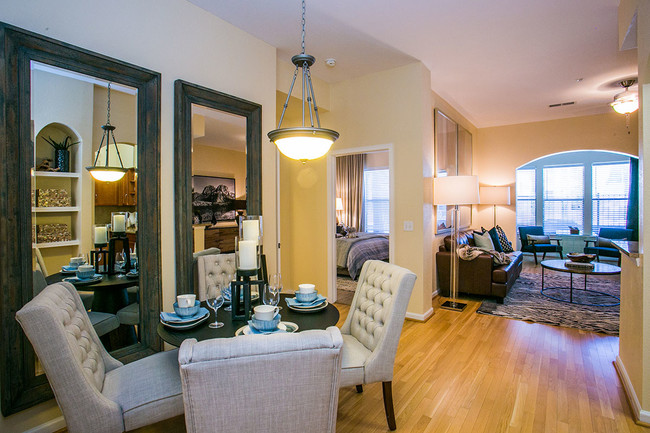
{"points": [[71, 211], [218, 177]]}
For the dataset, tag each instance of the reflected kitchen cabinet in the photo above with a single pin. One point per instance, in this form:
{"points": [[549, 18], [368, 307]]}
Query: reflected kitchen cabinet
{"points": [[123, 192]]}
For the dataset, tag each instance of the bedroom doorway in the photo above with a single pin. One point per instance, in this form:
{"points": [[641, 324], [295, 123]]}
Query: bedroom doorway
{"points": [[360, 187]]}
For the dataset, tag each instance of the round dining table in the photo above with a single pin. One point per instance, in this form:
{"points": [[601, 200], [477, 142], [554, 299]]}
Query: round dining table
{"points": [[328, 316]]}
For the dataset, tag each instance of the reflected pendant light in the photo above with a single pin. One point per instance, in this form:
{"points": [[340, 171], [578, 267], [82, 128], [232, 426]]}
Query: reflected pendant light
{"points": [[626, 102], [305, 142], [106, 173]]}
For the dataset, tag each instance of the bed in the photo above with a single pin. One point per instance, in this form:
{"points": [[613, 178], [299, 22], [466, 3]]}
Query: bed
{"points": [[352, 253]]}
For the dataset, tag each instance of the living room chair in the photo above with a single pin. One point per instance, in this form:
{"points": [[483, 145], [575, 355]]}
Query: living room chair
{"points": [[262, 383], [215, 270], [373, 327], [538, 247], [603, 245], [95, 392]]}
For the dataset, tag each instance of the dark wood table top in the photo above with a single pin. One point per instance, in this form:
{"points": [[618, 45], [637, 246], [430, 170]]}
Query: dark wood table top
{"points": [[598, 269], [316, 320], [115, 281]]}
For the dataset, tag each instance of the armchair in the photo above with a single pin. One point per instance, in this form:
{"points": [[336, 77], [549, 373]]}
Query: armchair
{"points": [[603, 246], [537, 247]]}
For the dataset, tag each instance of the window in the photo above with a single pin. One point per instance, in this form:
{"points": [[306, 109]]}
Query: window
{"points": [[376, 201], [610, 189], [563, 198], [525, 186]]}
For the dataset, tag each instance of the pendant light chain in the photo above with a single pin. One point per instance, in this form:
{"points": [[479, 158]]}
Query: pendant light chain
{"points": [[108, 104], [303, 27]]}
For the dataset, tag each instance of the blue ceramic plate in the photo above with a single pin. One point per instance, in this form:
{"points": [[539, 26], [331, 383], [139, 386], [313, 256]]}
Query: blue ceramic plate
{"points": [[83, 281]]}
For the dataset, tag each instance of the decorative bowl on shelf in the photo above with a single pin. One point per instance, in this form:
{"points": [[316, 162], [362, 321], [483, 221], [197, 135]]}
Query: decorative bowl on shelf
{"points": [[581, 258]]}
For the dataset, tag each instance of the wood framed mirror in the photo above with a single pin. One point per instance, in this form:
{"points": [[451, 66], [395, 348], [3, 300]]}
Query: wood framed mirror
{"points": [[187, 98], [22, 386]]}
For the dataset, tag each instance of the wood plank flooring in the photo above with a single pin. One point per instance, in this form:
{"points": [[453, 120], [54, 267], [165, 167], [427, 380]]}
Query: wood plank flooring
{"points": [[465, 372]]}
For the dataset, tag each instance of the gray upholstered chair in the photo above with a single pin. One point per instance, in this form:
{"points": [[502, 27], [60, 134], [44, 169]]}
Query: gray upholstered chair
{"points": [[95, 392], [372, 329], [285, 383], [195, 260], [213, 270]]}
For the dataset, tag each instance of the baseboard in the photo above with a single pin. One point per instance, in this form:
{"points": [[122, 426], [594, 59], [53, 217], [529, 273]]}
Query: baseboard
{"points": [[435, 293], [51, 426], [420, 317], [640, 416]]}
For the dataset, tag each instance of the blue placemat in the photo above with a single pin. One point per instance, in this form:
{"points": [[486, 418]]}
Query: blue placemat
{"points": [[175, 318], [293, 302]]}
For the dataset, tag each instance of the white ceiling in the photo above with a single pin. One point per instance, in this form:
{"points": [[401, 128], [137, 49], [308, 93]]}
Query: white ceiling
{"points": [[497, 62], [222, 129]]}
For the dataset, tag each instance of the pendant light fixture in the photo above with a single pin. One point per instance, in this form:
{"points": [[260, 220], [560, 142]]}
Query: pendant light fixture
{"points": [[626, 102], [305, 142], [106, 173]]}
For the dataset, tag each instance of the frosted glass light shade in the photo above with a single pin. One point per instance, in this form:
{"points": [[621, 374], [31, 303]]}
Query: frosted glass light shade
{"points": [[303, 143], [626, 102], [106, 174], [453, 190], [495, 194]]}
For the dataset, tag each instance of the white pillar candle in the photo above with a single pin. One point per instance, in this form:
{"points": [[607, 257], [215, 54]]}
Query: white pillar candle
{"points": [[251, 229], [119, 224], [101, 235], [247, 255]]}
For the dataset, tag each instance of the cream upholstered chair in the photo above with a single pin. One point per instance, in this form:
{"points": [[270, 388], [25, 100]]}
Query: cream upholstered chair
{"points": [[213, 270], [95, 392], [372, 329], [284, 383]]}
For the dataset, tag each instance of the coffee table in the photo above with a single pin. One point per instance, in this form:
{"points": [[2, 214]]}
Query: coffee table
{"points": [[598, 269]]}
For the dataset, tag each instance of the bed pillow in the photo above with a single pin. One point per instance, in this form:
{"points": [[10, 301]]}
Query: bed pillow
{"points": [[506, 246], [483, 240], [532, 239]]}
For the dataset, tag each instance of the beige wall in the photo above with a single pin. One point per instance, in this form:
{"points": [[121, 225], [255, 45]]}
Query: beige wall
{"points": [[216, 161], [149, 33], [499, 151]]}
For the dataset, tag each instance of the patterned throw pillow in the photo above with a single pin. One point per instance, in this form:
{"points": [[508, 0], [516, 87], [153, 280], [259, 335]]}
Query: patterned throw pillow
{"points": [[506, 246]]}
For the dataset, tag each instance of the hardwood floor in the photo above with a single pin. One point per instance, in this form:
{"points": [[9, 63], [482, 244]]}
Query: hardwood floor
{"points": [[465, 372]]}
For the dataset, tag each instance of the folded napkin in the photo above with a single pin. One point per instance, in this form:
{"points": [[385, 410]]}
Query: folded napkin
{"points": [[293, 302], [254, 330], [68, 268], [175, 318]]}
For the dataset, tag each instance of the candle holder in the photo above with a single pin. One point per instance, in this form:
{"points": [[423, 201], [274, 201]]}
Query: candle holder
{"points": [[99, 254], [247, 255], [251, 228], [242, 305], [118, 238], [118, 223]]}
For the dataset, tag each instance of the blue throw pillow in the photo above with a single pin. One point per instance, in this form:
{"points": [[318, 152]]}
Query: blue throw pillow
{"points": [[494, 235]]}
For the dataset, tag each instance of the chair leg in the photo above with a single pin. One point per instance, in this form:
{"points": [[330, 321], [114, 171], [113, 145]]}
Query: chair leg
{"points": [[359, 389], [560, 254], [535, 255], [619, 261], [543, 256], [387, 387]]}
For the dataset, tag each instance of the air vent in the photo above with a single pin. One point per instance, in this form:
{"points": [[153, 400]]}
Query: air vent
{"points": [[561, 104]]}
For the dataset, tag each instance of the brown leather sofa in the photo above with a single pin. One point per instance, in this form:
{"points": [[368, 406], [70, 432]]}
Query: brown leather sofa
{"points": [[479, 276]]}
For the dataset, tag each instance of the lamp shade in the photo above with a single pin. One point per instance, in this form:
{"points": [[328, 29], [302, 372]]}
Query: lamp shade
{"points": [[495, 194], [453, 190], [339, 203]]}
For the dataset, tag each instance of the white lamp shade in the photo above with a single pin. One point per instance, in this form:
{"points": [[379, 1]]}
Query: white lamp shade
{"points": [[495, 194], [453, 190], [339, 203], [626, 102]]}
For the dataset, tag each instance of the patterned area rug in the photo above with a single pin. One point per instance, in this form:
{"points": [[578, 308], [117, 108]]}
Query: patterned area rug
{"points": [[525, 302], [345, 288]]}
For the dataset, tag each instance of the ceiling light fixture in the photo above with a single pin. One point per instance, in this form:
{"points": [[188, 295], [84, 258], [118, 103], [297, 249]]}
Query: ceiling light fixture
{"points": [[107, 173], [626, 102], [305, 142]]}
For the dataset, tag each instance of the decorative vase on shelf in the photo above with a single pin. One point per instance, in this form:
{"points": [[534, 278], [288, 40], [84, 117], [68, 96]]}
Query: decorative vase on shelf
{"points": [[62, 160]]}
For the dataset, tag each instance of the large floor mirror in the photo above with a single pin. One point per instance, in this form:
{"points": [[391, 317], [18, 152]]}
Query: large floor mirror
{"points": [[55, 102], [217, 173]]}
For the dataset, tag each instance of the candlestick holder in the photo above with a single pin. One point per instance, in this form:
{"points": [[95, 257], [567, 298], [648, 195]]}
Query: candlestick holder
{"points": [[118, 223], [241, 305], [118, 239], [100, 254]]}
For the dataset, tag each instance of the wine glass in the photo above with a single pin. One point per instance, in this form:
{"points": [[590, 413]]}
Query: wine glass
{"points": [[275, 281], [271, 295], [214, 304], [227, 295]]}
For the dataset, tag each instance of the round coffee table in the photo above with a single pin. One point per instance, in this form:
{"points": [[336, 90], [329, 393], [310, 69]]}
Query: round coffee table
{"points": [[598, 269]]}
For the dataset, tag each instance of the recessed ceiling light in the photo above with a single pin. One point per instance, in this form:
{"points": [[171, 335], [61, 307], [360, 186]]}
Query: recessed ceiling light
{"points": [[330, 62], [579, 80]]}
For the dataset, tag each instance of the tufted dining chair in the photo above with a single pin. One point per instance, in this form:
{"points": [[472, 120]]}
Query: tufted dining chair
{"points": [[279, 383], [95, 392], [372, 329], [215, 270]]}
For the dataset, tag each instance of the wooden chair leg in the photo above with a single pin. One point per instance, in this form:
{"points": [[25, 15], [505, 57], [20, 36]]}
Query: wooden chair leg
{"points": [[535, 255], [387, 388], [359, 389]]}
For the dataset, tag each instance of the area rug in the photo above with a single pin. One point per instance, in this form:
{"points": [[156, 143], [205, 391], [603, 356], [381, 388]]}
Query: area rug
{"points": [[525, 302], [345, 288]]}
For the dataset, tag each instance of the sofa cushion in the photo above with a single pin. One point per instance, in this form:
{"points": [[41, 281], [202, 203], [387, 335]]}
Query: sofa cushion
{"points": [[494, 235], [503, 273], [483, 241], [506, 245]]}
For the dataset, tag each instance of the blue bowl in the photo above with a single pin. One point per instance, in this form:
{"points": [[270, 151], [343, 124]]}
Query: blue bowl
{"points": [[266, 325], [306, 297], [187, 311]]}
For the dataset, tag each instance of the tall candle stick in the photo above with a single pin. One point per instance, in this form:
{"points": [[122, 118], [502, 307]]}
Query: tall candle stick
{"points": [[247, 255], [101, 235]]}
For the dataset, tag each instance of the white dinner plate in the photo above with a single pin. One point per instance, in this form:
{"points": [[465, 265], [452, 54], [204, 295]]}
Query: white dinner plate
{"points": [[309, 309], [284, 326], [186, 325]]}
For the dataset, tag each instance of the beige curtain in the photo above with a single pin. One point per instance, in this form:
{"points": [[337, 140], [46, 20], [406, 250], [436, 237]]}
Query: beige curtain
{"points": [[349, 186]]}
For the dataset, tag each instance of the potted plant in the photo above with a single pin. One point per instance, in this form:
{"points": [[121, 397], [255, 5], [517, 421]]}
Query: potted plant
{"points": [[61, 152]]}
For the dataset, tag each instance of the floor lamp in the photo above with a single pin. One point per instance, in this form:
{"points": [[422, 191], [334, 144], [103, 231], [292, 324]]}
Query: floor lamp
{"points": [[455, 191], [495, 195]]}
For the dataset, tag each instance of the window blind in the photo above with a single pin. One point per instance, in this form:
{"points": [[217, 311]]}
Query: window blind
{"points": [[610, 190], [376, 201], [563, 195], [525, 192]]}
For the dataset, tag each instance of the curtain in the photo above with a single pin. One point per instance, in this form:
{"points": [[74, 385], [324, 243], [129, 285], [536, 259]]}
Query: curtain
{"points": [[633, 200], [349, 186]]}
